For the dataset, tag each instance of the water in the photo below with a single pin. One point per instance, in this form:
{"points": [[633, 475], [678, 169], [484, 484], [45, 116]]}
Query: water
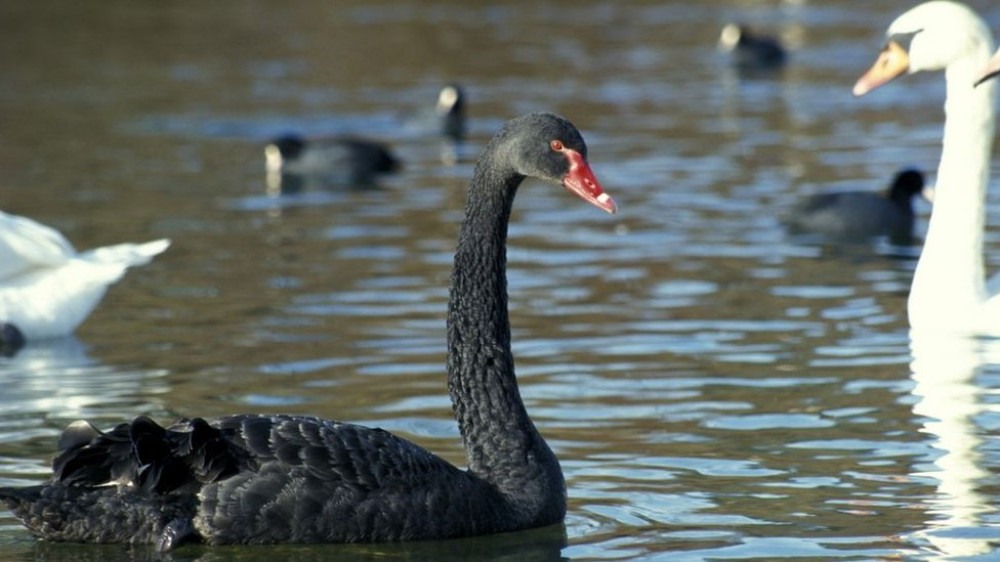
{"points": [[713, 389]]}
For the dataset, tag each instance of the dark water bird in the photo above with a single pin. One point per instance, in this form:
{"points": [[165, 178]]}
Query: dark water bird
{"points": [[283, 478], [860, 216], [749, 50], [446, 118], [11, 339], [341, 160], [450, 109]]}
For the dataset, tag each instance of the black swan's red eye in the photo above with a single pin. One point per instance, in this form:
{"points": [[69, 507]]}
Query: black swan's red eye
{"points": [[556, 145]]}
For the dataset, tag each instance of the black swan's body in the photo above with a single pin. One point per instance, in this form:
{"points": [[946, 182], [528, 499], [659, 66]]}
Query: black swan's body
{"points": [[268, 479], [859, 216]]}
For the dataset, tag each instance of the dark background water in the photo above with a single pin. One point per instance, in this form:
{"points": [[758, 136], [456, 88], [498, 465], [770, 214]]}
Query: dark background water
{"points": [[713, 389]]}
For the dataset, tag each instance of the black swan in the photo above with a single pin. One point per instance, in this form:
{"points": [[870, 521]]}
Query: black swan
{"points": [[253, 479], [859, 216]]}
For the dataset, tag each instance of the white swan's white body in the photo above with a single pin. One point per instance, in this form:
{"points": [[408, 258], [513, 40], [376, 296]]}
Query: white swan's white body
{"points": [[949, 291], [47, 289]]}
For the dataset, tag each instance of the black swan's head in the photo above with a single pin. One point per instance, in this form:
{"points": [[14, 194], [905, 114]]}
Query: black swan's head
{"points": [[550, 148]]}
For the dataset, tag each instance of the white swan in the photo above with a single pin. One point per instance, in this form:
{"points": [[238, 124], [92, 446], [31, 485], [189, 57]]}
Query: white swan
{"points": [[47, 289], [949, 291]]}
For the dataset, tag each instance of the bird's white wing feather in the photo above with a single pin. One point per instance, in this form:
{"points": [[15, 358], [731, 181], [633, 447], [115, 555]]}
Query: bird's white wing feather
{"points": [[26, 244]]}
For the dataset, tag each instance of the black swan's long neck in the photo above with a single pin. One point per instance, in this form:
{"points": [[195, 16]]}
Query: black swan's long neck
{"points": [[502, 444]]}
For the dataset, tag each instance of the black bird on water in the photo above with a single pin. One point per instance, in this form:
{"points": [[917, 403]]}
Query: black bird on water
{"points": [[252, 479]]}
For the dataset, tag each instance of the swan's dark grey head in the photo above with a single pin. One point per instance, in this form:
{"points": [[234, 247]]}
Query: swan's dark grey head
{"points": [[550, 148]]}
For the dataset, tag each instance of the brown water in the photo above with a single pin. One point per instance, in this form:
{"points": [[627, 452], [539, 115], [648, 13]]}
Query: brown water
{"points": [[713, 389]]}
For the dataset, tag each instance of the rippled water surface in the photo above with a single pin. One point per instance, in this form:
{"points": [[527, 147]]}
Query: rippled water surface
{"points": [[713, 389]]}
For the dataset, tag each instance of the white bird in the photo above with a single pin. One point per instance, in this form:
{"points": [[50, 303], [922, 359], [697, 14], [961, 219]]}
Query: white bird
{"points": [[949, 291], [47, 288]]}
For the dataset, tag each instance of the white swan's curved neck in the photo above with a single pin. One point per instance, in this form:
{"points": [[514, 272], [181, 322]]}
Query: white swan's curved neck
{"points": [[949, 283]]}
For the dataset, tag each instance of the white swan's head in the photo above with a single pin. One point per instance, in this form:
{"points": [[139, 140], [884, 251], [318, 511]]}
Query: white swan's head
{"points": [[931, 36]]}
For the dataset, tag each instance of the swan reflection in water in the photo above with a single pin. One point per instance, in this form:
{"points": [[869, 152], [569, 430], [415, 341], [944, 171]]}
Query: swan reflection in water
{"points": [[535, 545], [57, 379], [948, 375]]}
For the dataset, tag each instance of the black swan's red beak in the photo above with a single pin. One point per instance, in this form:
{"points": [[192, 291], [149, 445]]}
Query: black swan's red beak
{"points": [[581, 181]]}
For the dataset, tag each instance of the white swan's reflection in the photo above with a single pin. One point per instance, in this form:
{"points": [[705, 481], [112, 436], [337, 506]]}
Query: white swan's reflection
{"points": [[948, 397], [58, 378]]}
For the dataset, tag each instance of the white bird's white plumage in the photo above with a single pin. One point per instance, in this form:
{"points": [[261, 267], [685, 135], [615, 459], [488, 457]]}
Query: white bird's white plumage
{"points": [[47, 288], [949, 291]]}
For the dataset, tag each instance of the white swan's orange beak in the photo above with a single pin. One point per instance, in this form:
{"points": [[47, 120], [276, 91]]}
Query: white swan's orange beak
{"points": [[991, 69], [891, 62], [581, 181]]}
